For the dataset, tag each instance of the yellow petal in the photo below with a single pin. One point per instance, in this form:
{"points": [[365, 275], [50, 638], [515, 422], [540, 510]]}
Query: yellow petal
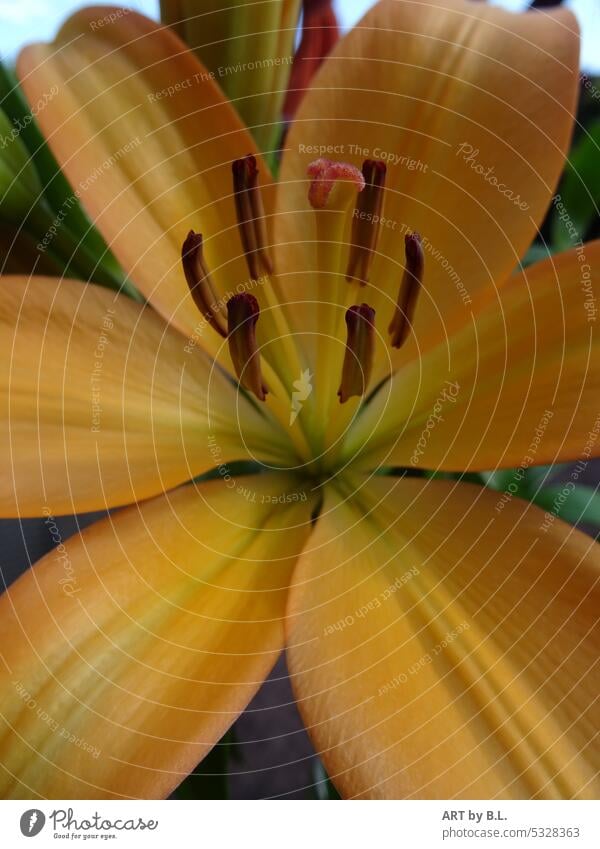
{"points": [[128, 654], [147, 140], [442, 649], [411, 84], [249, 50], [104, 404], [515, 384]]}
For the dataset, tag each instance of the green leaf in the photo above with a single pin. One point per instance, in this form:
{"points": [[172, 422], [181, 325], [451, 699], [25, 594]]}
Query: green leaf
{"points": [[536, 253], [81, 247], [57, 190], [324, 789], [20, 188], [576, 205], [210, 779], [578, 505], [537, 477], [502, 479]]}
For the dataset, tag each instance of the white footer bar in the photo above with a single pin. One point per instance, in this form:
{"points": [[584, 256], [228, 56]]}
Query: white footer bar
{"points": [[301, 825]]}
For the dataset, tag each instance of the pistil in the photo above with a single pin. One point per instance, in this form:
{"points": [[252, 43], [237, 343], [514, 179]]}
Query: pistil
{"points": [[199, 282], [251, 216], [332, 195], [366, 220], [324, 174], [409, 290], [360, 349], [242, 314]]}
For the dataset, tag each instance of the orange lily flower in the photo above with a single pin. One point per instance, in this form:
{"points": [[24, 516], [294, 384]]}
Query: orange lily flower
{"points": [[441, 639]]}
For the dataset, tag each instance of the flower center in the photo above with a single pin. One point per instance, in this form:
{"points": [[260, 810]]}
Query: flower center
{"points": [[334, 188]]}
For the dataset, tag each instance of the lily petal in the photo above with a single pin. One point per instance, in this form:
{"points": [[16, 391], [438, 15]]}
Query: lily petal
{"points": [[127, 654], [104, 404], [517, 383], [441, 649], [147, 140], [472, 108], [249, 50]]}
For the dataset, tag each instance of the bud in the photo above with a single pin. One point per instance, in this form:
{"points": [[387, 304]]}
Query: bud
{"points": [[248, 50]]}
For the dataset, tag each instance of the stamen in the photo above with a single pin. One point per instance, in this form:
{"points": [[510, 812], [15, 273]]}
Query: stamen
{"points": [[320, 32], [242, 315], [409, 290], [251, 216], [198, 279], [366, 220], [360, 349], [325, 173]]}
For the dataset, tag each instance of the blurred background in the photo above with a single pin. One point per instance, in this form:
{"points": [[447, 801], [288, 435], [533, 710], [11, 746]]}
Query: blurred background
{"points": [[31, 20], [268, 754]]}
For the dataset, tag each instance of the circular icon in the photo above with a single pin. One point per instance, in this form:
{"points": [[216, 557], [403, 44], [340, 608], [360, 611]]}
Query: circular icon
{"points": [[32, 822]]}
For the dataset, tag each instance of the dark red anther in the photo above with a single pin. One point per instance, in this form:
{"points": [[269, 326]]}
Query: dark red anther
{"points": [[242, 314], [409, 290], [251, 216], [360, 351], [199, 282], [366, 221]]}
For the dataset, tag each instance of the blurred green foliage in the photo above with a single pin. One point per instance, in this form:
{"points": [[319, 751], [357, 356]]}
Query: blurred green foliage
{"points": [[46, 198], [579, 187]]}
